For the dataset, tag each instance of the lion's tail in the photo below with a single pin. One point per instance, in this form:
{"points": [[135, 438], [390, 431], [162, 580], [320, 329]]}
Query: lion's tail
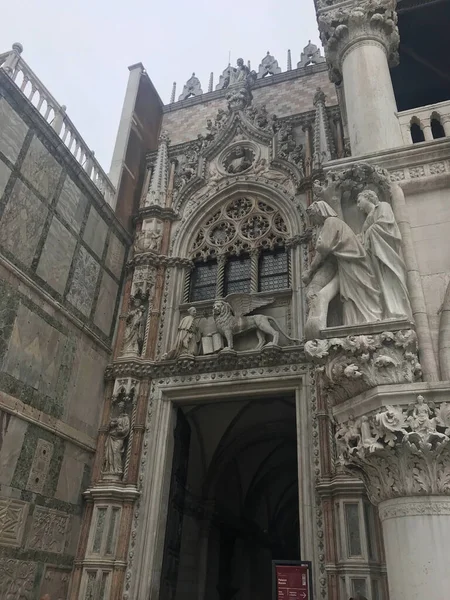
{"points": [[278, 328]]}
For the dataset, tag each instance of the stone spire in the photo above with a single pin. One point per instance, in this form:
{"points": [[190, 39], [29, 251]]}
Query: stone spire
{"points": [[323, 142], [172, 95], [211, 82], [289, 61], [158, 185]]}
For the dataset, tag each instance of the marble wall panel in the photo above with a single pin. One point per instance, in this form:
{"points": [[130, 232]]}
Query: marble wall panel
{"points": [[12, 433], [95, 232], [5, 172], [41, 169], [12, 131], [72, 204], [40, 466], [13, 516], [106, 303], [115, 256], [85, 389], [17, 579], [50, 530], [84, 281], [71, 474], [55, 582], [56, 256], [22, 222], [35, 352]]}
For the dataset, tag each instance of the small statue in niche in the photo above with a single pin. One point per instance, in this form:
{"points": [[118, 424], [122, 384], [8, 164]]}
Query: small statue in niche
{"points": [[188, 337], [342, 266], [421, 418], [381, 238], [149, 238], [118, 431], [135, 324], [238, 161]]}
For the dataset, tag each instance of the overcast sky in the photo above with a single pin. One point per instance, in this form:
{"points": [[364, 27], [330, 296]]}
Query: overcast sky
{"points": [[81, 49]]}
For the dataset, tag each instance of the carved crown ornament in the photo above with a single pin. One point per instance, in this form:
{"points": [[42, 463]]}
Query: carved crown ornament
{"points": [[343, 26], [399, 451]]}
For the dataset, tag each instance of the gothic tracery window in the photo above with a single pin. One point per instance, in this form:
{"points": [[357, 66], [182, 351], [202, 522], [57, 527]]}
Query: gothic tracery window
{"points": [[240, 248]]}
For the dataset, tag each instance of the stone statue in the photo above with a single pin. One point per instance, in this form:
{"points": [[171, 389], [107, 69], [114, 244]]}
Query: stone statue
{"points": [[240, 162], [348, 273], [419, 416], [188, 337], [239, 81], [118, 431], [230, 319], [382, 240], [135, 324]]}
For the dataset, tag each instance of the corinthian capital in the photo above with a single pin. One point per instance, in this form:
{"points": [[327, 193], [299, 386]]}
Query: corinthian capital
{"points": [[341, 28], [399, 452]]}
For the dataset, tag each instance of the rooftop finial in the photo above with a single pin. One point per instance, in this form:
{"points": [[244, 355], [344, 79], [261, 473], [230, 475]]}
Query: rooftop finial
{"points": [[211, 82], [289, 61], [172, 95]]}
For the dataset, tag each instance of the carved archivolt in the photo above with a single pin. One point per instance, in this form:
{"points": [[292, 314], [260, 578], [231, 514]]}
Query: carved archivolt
{"points": [[240, 225]]}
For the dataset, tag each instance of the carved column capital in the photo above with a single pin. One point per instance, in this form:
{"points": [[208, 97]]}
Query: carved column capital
{"points": [[399, 451], [370, 21]]}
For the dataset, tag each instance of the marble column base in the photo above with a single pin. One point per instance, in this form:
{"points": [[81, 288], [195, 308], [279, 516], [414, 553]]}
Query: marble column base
{"points": [[416, 533]]}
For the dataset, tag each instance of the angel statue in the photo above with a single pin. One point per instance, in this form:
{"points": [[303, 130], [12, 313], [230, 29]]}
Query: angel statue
{"points": [[230, 319]]}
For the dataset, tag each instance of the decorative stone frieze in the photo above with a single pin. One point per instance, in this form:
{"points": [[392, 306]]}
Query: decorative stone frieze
{"points": [[400, 452], [371, 20], [347, 366]]}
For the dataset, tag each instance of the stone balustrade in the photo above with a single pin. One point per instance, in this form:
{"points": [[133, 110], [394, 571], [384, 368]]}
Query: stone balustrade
{"points": [[423, 117], [55, 114]]}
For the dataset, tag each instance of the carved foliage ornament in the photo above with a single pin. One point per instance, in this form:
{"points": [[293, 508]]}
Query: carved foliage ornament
{"points": [[399, 451], [370, 19], [351, 365], [239, 226]]}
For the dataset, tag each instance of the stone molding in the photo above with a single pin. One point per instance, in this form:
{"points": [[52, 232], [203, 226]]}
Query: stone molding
{"points": [[156, 211], [158, 260], [112, 491], [413, 507], [399, 452], [368, 21]]}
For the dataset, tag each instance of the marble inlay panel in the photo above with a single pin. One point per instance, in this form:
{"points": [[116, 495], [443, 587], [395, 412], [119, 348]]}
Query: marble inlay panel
{"points": [[106, 303], [115, 255], [49, 530], [40, 466], [56, 256], [22, 222], [55, 582], [82, 289], [72, 204], [12, 131], [13, 516], [95, 232], [17, 579], [35, 352], [12, 433], [5, 172], [41, 169], [71, 474]]}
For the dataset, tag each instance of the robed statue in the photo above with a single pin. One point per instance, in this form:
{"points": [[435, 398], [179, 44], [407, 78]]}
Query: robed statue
{"points": [[119, 429], [188, 337]]}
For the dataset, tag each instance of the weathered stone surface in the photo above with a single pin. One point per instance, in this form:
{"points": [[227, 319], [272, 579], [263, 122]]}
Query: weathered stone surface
{"points": [[115, 255], [41, 169], [71, 474], [17, 579], [72, 204], [55, 582], [95, 232], [12, 433], [106, 303], [13, 515], [35, 351], [22, 223], [12, 131], [84, 281], [5, 172], [40, 466], [49, 530], [56, 256]]}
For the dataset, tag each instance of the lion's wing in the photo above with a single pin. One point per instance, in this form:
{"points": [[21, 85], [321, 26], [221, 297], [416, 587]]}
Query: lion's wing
{"points": [[242, 304]]}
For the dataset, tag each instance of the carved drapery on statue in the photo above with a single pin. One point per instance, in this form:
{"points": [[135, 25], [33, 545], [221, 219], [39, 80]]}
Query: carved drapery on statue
{"points": [[188, 337], [399, 451]]}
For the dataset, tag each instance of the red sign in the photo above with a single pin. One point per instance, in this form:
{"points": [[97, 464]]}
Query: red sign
{"points": [[292, 582]]}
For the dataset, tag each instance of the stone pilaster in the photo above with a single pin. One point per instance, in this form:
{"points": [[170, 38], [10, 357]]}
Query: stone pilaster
{"points": [[361, 41], [402, 453]]}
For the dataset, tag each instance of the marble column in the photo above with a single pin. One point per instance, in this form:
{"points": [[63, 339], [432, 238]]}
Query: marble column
{"points": [[402, 453], [361, 42]]}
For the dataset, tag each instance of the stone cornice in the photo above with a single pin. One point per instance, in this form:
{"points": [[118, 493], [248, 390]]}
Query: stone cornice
{"points": [[158, 260], [226, 360], [158, 212], [114, 491], [414, 507]]}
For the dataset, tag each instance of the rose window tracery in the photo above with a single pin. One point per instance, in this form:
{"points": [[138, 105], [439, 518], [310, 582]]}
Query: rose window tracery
{"points": [[239, 226]]}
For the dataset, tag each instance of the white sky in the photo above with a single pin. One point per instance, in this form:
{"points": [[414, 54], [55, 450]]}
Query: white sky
{"points": [[80, 49]]}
